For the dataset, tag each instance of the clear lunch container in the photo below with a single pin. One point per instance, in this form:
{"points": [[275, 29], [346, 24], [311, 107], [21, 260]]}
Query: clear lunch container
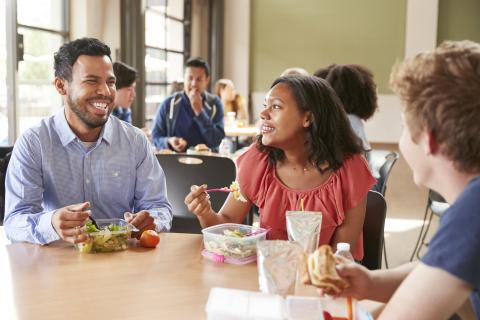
{"points": [[232, 243], [113, 236]]}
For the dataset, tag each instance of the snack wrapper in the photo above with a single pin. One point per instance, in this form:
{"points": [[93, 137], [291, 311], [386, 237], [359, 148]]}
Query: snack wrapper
{"points": [[304, 227], [278, 261]]}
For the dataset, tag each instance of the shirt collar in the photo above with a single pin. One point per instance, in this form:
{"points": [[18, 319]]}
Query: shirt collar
{"points": [[67, 135]]}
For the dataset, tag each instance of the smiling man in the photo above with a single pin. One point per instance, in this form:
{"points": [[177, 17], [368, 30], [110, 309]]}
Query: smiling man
{"points": [[82, 161]]}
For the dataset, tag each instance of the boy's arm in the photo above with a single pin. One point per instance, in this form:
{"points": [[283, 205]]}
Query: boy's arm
{"points": [[427, 293], [378, 285]]}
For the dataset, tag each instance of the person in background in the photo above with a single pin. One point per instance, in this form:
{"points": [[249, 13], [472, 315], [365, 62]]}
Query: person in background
{"points": [[191, 117], [440, 142], [81, 159], [356, 89], [296, 71], [232, 101], [306, 157], [126, 77]]}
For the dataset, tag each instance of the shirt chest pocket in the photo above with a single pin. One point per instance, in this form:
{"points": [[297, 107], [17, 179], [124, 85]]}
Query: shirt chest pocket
{"points": [[116, 182]]}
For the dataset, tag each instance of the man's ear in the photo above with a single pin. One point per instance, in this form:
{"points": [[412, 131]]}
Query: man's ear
{"points": [[61, 85], [431, 144]]}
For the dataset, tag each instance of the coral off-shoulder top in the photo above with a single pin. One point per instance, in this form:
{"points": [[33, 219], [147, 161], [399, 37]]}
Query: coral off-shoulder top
{"points": [[344, 190]]}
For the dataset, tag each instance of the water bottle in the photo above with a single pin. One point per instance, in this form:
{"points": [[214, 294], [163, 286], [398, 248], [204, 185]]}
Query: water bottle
{"points": [[343, 250], [226, 147]]}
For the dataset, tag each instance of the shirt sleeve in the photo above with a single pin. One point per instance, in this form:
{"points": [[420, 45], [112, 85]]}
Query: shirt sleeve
{"points": [[151, 186], [356, 180], [159, 131], [25, 218], [455, 251], [212, 130]]}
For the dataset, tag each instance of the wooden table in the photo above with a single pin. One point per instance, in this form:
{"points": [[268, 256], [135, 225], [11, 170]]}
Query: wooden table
{"points": [[170, 282]]}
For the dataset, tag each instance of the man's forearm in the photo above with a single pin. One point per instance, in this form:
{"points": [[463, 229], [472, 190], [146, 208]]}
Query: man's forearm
{"points": [[31, 227]]}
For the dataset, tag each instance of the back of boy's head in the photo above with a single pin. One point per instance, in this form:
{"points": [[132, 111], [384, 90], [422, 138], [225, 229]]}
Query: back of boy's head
{"points": [[125, 74], [354, 86], [440, 91]]}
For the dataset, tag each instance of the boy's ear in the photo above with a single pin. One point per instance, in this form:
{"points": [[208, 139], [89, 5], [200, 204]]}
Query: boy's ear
{"points": [[60, 85], [431, 145]]}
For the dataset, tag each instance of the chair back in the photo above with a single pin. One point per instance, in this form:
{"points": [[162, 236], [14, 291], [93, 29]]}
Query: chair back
{"points": [[5, 153], [381, 163], [183, 171], [437, 203], [373, 229]]}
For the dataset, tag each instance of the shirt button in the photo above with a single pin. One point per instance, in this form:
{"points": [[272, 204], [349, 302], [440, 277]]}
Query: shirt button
{"points": [[87, 180]]}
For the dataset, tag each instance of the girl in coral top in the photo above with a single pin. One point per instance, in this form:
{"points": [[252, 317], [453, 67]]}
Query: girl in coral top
{"points": [[306, 152]]}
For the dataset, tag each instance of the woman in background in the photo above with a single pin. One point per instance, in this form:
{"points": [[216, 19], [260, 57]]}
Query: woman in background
{"points": [[232, 101], [356, 89]]}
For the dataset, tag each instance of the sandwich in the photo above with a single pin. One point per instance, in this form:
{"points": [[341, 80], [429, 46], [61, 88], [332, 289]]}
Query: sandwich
{"points": [[319, 269]]}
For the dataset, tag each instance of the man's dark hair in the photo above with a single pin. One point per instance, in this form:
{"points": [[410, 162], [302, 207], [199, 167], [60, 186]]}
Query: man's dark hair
{"points": [[330, 137], [354, 85], [125, 75], [67, 55], [198, 63]]}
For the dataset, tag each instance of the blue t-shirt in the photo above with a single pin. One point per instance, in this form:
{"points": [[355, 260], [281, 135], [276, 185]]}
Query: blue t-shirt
{"points": [[455, 247]]}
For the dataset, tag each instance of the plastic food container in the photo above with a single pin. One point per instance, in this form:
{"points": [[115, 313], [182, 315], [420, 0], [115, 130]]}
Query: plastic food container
{"points": [[113, 236], [234, 242]]}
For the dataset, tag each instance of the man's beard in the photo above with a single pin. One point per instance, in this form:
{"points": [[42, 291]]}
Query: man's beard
{"points": [[84, 116]]}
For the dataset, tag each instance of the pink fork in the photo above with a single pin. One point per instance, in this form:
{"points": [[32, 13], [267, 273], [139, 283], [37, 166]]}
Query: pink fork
{"points": [[224, 189]]}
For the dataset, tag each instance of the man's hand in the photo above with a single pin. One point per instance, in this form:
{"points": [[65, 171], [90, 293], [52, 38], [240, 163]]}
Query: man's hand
{"points": [[69, 222], [196, 101], [141, 220], [178, 144]]}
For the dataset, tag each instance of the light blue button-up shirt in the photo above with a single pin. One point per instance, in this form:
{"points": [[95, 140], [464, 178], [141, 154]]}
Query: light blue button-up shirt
{"points": [[50, 168]]}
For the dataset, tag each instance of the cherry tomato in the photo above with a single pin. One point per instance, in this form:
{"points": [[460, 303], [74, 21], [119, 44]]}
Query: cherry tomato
{"points": [[149, 239]]}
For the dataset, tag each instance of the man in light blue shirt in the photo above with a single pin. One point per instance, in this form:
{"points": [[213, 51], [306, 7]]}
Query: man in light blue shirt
{"points": [[82, 158]]}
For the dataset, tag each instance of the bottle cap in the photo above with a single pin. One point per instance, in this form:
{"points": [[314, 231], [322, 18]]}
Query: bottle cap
{"points": [[343, 246]]}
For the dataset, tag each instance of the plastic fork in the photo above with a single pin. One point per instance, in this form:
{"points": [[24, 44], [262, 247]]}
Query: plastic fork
{"points": [[224, 189]]}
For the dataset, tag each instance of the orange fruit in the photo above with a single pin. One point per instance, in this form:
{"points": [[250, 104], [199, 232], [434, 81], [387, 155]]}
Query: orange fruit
{"points": [[149, 239]]}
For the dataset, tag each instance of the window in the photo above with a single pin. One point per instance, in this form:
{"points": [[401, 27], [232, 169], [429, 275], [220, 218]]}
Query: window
{"points": [[165, 26], [3, 76], [42, 25]]}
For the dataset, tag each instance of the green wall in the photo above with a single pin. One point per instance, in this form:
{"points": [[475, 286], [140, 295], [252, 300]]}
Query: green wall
{"points": [[458, 20], [314, 33]]}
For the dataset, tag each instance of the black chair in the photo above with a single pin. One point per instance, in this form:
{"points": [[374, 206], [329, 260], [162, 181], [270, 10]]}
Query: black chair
{"points": [[5, 153], [183, 171], [373, 228], [436, 206], [381, 162]]}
